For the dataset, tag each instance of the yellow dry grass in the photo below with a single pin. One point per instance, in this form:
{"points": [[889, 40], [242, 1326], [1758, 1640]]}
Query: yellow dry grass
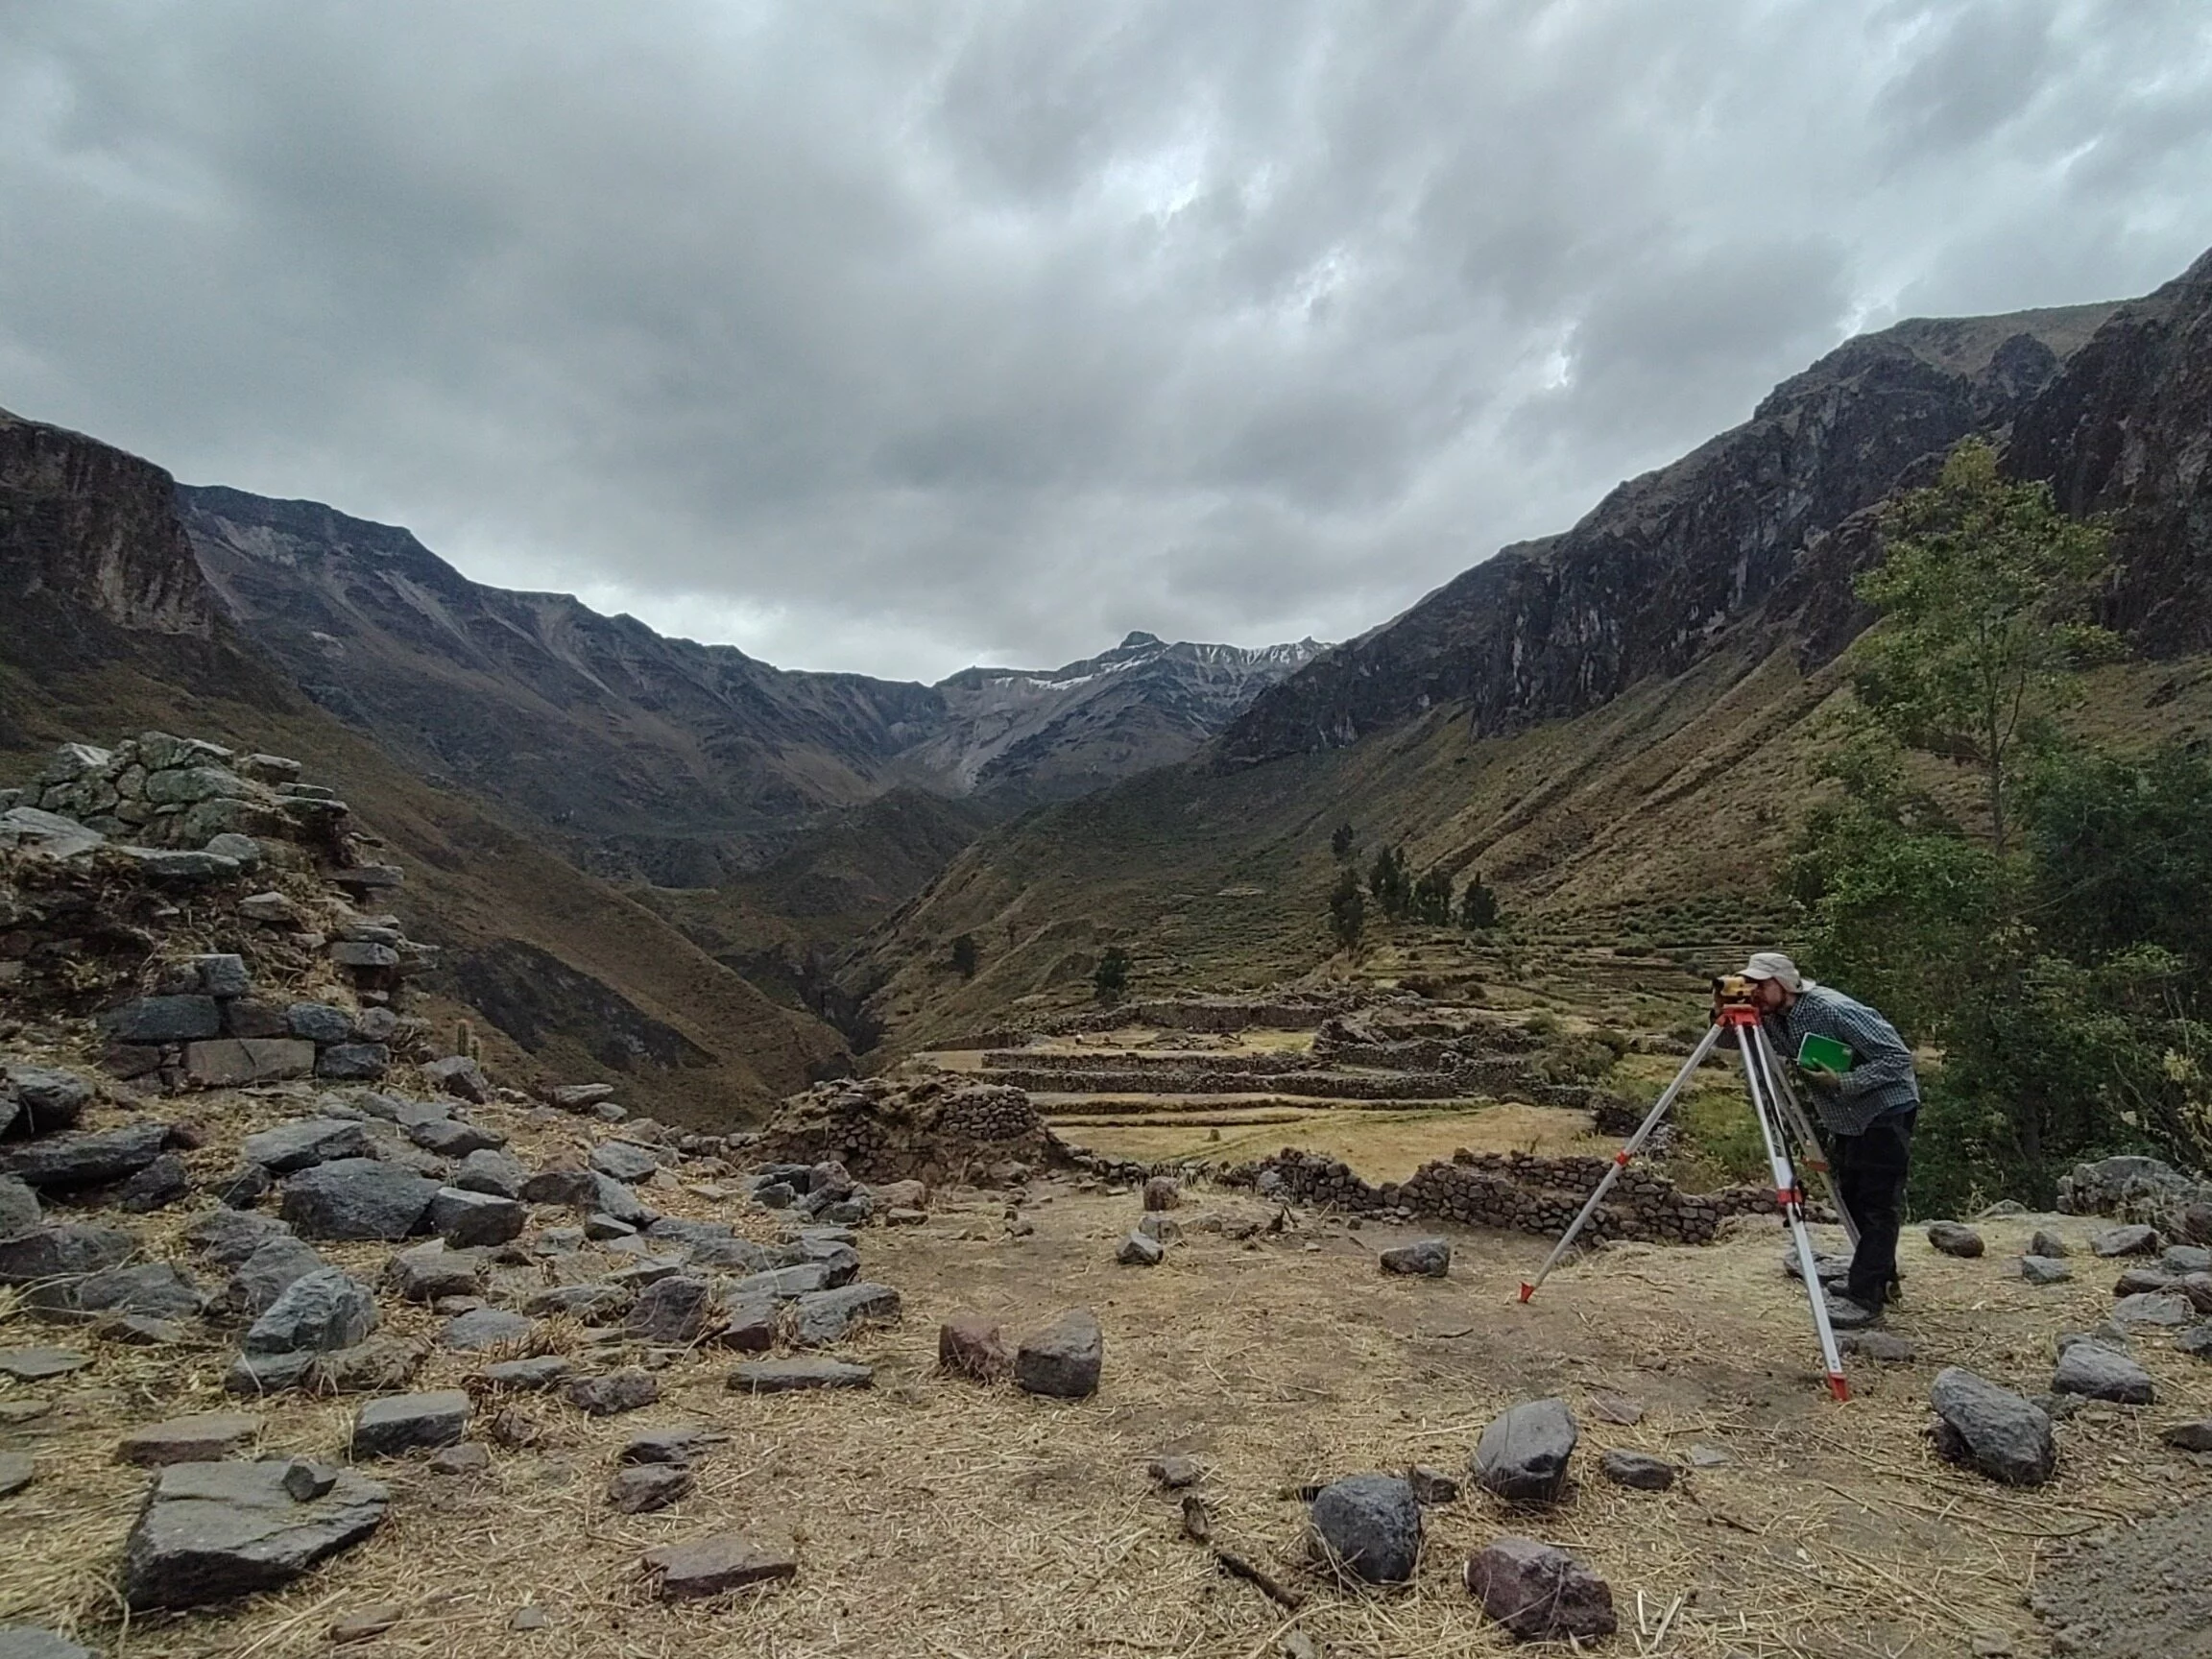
{"points": [[933, 1517]]}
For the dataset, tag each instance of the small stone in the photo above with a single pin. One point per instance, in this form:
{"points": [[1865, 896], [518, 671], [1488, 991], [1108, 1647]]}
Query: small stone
{"points": [[1524, 1454], [35, 1364], [971, 1345], [1369, 1527], [469, 1458], [1991, 1429], [640, 1489], [623, 1161], [460, 1076], [747, 1324], [2194, 1437], [1885, 1346], [305, 1143], [1064, 1359], [1174, 1472], [407, 1422], [450, 1138], [466, 1218], [1540, 1592], [1422, 1258], [206, 1437], [2134, 1239], [484, 1328], [533, 1375], [317, 1312], [1704, 1456], [2045, 1241], [824, 1318], [1139, 1251], [2158, 1309], [791, 1376], [1637, 1468], [711, 1566], [431, 1272], [2099, 1373], [1431, 1486], [1617, 1408], [529, 1619], [673, 1443], [613, 1392], [1163, 1192], [368, 1623], [1953, 1239], [216, 1531], [356, 1198], [2044, 1270], [672, 1310], [16, 1472]]}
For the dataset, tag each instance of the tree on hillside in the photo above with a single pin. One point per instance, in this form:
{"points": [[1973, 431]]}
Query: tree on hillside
{"points": [[1478, 906], [1388, 883], [1111, 978], [1431, 900], [964, 956], [1984, 590], [1347, 909], [1341, 843]]}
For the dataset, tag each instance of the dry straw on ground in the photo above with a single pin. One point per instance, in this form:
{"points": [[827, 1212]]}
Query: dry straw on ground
{"points": [[935, 1518]]}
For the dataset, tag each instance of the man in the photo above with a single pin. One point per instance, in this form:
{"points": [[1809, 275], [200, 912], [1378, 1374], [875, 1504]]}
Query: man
{"points": [[1867, 1112]]}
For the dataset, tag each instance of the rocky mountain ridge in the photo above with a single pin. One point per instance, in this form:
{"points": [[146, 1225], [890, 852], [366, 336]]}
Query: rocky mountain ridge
{"points": [[679, 762]]}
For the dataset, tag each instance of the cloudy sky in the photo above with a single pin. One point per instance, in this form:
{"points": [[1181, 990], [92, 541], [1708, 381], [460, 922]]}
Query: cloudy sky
{"points": [[902, 335]]}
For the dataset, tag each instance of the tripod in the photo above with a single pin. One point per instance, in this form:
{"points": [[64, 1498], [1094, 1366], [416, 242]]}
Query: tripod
{"points": [[1776, 1108]]}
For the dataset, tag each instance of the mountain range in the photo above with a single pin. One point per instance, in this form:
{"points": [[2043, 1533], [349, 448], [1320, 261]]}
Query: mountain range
{"points": [[612, 827]]}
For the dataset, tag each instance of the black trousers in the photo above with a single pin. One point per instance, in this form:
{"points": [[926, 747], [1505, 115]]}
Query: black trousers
{"points": [[1870, 1170]]}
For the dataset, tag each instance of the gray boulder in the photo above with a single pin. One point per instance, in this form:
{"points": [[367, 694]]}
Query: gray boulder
{"points": [[83, 1158], [489, 1170], [2044, 1270], [354, 1061], [163, 1019], [356, 1198], [822, 1317], [155, 1289], [671, 1310], [216, 1531], [1524, 1454], [1953, 1239], [61, 1251], [2049, 1244], [1422, 1258], [1540, 1592], [462, 1218], [460, 1076], [428, 1272], [592, 1304], [2134, 1239], [52, 1100], [157, 1187], [1369, 1527], [227, 1237], [2154, 1308], [19, 1211], [2097, 1372], [317, 1312], [305, 1143], [265, 1275], [638, 1489], [613, 1392], [1064, 1361], [1637, 1468], [1140, 1250], [409, 1422], [532, 1376], [450, 1138], [482, 1328], [622, 1160], [1991, 1429], [319, 1022], [784, 1284]]}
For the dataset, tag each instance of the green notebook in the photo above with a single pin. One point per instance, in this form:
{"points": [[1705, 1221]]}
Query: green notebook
{"points": [[1818, 1053]]}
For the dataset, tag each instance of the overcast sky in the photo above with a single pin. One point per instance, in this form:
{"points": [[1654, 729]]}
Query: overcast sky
{"points": [[899, 336]]}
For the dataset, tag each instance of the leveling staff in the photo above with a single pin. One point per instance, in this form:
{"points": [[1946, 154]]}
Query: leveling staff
{"points": [[1867, 1097]]}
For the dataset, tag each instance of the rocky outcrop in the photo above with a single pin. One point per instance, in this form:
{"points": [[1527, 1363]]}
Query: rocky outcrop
{"points": [[1643, 584]]}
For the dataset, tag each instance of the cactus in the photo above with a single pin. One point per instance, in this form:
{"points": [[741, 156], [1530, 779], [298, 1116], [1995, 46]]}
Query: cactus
{"points": [[465, 1041]]}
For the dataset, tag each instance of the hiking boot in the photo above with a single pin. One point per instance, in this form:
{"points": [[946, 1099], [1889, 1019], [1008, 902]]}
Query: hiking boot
{"points": [[1845, 1314]]}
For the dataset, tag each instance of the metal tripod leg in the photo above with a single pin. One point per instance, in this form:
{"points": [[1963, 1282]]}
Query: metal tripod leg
{"points": [[1792, 1114], [1789, 1195], [1628, 1150]]}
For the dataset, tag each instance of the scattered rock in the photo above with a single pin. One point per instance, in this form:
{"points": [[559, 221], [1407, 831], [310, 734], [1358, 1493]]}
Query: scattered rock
{"points": [[275, 1266], [83, 1158], [1424, 1258], [711, 1566], [1953, 1239], [1140, 1251], [227, 1237], [490, 1170], [1174, 1472], [356, 1198], [428, 1272], [482, 1328], [16, 1472], [317, 1312], [790, 1376], [2040, 1269], [747, 1324], [305, 1143], [1638, 1469], [623, 1161], [19, 1211], [671, 1311], [824, 1318], [638, 1489], [1163, 1192], [533, 1375], [460, 1076], [1991, 1429], [2049, 1244], [1617, 1408], [157, 1187], [409, 1422], [2134, 1239], [2194, 1437], [2099, 1373], [529, 1619], [614, 1391], [1369, 1527], [214, 1531], [465, 1219], [1885, 1346], [206, 1437], [51, 1100], [672, 1443], [1523, 1455], [469, 1458], [1064, 1361], [35, 1364], [1540, 1592], [59, 1254], [2155, 1307]]}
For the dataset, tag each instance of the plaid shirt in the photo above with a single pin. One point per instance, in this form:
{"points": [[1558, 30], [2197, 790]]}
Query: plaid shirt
{"points": [[1881, 1079]]}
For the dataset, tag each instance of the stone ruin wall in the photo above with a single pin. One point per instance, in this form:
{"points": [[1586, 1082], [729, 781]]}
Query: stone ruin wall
{"points": [[937, 1132], [1517, 1191]]}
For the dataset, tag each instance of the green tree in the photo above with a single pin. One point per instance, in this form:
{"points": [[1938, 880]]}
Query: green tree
{"points": [[1388, 883], [1432, 898], [1478, 906], [1111, 978], [1347, 909], [964, 956], [1341, 843], [1984, 590]]}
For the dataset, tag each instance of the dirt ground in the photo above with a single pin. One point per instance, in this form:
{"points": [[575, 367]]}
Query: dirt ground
{"points": [[938, 1518]]}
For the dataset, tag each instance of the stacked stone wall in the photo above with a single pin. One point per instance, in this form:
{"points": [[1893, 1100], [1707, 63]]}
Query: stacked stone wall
{"points": [[935, 1131]]}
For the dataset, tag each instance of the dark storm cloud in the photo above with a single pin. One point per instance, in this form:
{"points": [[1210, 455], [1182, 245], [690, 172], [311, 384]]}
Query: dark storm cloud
{"points": [[902, 335]]}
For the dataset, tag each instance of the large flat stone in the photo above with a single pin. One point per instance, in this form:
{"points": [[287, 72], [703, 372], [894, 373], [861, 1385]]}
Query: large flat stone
{"points": [[794, 1376], [1991, 1429], [830, 1316], [317, 1312], [410, 1422], [206, 1437], [36, 1364], [63, 1250], [234, 1062], [356, 1198], [1524, 1454], [305, 1143], [83, 1158], [712, 1566], [465, 1219], [215, 1531], [1064, 1359]]}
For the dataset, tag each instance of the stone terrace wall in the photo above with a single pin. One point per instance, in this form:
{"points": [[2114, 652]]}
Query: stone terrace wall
{"points": [[1515, 1191], [933, 1131], [1222, 1015]]}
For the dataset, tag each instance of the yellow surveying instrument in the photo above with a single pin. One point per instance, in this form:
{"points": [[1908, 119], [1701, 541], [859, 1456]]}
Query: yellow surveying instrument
{"points": [[1781, 1119]]}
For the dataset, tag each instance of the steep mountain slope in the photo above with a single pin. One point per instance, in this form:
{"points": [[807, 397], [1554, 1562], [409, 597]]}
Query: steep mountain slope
{"points": [[1619, 719], [110, 629], [687, 765]]}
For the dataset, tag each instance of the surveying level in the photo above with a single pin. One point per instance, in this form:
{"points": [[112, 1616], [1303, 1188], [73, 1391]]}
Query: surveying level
{"points": [[1780, 1119]]}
